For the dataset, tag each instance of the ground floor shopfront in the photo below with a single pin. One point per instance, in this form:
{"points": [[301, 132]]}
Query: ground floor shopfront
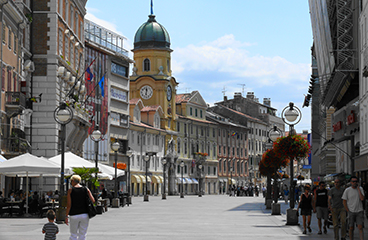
{"points": [[153, 184], [361, 167]]}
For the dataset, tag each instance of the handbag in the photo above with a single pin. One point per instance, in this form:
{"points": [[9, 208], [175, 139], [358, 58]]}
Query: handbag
{"points": [[91, 208]]}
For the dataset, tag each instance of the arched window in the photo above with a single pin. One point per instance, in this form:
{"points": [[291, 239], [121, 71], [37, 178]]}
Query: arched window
{"points": [[146, 65]]}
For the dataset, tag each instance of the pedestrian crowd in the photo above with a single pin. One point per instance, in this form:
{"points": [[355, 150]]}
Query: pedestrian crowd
{"points": [[341, 206]]}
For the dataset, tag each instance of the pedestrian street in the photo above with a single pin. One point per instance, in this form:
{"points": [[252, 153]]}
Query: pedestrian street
{"points": [[191, 217]]}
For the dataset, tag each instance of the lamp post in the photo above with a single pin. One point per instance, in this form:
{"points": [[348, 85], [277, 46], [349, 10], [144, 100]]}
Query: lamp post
{"points": [[146, 159], [231, 180], [182, 181], [199, 182], [115, 147], [62, 115], [96, 137], [129, 153], [291, 115], [164, 161], [273, 134]]}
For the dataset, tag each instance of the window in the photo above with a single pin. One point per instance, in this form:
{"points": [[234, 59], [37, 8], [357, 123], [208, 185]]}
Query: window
{"points": [[214, 171], [201, 113], [9, 80], [213, 132], [220, 167], [3, 32], [196, 112], [9, 38], [191, 111], [202, 133], [214, 151], [66, 48], [209, 170], [179, 146], [76, 23], [3, 82], [146, 65], [71, 54], [178, 127], [185, 148], [61, 7], [208, 149], [185, 169], [191, 129], [168, 65], [185, 128], [178, 169], [76, 58], [60, 41], [15, 44], [132, 160]]}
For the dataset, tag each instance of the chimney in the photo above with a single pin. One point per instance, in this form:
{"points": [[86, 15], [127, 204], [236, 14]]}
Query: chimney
{"points": [[267, 101], [250, 95], [225, 98], [237, 95]]}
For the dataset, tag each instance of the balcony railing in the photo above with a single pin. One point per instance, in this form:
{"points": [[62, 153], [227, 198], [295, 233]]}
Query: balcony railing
{"points": [[15, 99], [14, 145]]}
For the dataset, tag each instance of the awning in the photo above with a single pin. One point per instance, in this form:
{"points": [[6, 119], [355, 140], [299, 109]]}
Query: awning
{"points": [[330, 177], [143, 178], [161, 178], [189, 181], [194, 181], [232, 181], [221, 180], [135, 178], [156, 179], [179, 180]]}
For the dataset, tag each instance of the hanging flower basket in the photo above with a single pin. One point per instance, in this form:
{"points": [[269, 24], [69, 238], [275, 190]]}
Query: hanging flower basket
{"points": [[292, 147], [201, 154], [271, 162]]}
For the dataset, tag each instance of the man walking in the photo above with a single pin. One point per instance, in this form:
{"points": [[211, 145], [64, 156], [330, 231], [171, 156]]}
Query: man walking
{"points": [[352, 200], [336, 206], [321, 206]]}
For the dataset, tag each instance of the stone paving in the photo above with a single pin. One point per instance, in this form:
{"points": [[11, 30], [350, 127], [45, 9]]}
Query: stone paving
{"points": [[192, 217]]}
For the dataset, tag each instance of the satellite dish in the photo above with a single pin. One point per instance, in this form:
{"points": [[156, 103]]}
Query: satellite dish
{"points": [[29, 66]]}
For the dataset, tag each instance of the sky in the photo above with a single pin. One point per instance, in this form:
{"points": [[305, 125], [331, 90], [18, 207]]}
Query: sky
{"points": [[222, 47]]}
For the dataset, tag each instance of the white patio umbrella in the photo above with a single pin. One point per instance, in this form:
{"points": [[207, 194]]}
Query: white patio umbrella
{"points": [[110, 170], [26, 165], [74, 161], [2, 158]]}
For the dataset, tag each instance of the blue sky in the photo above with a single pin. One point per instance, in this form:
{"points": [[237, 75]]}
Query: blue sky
{"points": [[264, 44]]}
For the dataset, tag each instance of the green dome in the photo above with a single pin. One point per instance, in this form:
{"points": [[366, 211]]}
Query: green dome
{"points": [[151, 35]]}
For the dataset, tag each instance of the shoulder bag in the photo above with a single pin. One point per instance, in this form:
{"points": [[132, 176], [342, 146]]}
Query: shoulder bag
{"points": [[91, 208]]}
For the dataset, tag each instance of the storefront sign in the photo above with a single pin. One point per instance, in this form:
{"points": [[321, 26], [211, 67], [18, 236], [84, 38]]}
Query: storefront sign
{"points": [[118, 69], [351, 118], [337, 126], [118, 94]]}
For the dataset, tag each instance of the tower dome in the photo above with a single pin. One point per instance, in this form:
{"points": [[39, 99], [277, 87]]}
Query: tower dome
{"points": [[151, 34]]}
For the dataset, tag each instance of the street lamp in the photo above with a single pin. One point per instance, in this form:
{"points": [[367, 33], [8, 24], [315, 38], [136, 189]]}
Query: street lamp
{"points": [[96, 137], [231, 180], [63, 115], [115, 147], [291, 115], [129, 153], [199, 182], [164, 161], [146, 159], [182, 181]]}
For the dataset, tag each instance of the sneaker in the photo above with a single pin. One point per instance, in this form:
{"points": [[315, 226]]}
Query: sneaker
{"points": [[319, 232], [305, 232], [309, 229], [325, 229]]}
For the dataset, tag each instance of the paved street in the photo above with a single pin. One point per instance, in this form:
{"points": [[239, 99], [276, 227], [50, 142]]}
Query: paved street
{"points": [[209, 217]]}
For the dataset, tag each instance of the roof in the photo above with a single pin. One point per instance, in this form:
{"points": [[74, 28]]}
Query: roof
{"points": [[146, 126], [150, 108], [196, 119], [151, 34], [134, 101], [183, 98], [245, 115]]}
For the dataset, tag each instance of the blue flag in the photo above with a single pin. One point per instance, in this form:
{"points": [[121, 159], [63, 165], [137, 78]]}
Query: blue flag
{"points": [[89, 74], [102, 83]]}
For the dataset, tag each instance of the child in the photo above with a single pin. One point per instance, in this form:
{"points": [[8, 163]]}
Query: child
{"points": [[50, 228]]}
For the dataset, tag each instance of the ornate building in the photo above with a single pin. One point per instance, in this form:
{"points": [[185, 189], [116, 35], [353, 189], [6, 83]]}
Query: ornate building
{"points": [[153, 83]]}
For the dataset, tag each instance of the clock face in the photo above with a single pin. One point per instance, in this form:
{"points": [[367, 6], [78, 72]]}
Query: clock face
{"points": [[169, 93], [146, 92]]}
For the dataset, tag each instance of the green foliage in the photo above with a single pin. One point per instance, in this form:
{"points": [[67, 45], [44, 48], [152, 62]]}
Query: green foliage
{"points": [[88, 175]]}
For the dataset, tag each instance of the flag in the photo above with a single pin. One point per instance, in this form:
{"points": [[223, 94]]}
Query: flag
{"points": [[234, 133], [89, 74], [102, 83]]}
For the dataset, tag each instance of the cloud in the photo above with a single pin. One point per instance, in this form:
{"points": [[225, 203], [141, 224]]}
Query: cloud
{"points": [[108, 25], [227, 55]]}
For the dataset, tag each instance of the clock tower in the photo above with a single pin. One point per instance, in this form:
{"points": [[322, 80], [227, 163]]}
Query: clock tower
{"points": [[152, 80]]}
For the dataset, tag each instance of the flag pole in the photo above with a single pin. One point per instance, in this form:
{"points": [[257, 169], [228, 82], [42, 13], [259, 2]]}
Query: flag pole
{"points": [[95, 87]]}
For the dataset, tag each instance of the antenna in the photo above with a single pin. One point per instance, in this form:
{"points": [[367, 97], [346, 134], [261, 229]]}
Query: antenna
{"points": [[224, 91], [151, 7], [243, 87]]}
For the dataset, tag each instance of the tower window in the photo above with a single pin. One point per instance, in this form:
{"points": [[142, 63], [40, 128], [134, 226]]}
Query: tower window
{"points": [[146, 65]]}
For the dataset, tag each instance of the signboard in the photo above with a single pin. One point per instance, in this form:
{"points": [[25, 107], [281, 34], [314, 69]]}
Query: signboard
{"points": [[118, 94], [118, 69], [307, 166]]}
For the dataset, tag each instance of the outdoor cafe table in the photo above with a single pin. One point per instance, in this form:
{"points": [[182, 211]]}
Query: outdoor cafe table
{"points": [[13, 203]]}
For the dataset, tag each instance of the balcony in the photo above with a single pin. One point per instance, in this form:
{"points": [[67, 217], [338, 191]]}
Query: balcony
{"points": [[13, 146], [15, 100]]}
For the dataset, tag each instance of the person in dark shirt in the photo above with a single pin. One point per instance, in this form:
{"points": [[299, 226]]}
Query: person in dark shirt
{"points": [[50, 229], [306, 205], [321, 206], [77, 208]]}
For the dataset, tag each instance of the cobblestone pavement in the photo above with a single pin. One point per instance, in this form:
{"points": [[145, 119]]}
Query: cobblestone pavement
{"points": [[191, 217]]}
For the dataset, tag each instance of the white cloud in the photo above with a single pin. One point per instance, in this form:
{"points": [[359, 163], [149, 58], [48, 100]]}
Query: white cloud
{"points": [[227, 55]]}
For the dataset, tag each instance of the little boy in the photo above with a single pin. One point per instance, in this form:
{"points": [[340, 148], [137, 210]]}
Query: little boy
{"points": [[50, 228]]}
